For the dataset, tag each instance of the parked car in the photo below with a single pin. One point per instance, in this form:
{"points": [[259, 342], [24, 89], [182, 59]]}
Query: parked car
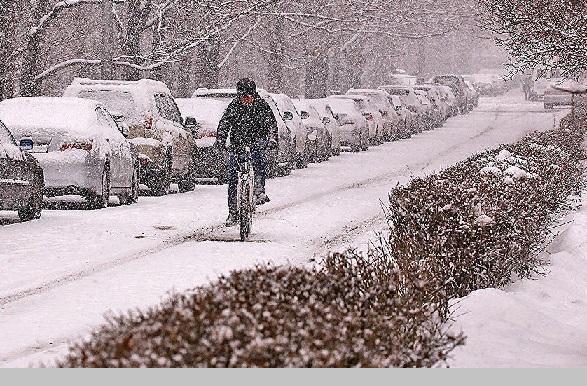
{"points": [[459, 88], [371, 114], [354, 129], [434, 94], [555, 95], [305, 142], [473, 94], [391, 119], [164, 140], [21, 178], [411, 102], [314, 123], [280, 161], [431, 113], [211, 164], [330, 123], [406, 116], [79, 145]]}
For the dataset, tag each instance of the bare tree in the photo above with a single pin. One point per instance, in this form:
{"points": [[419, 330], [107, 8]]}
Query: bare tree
{"points": [[540, 33]]}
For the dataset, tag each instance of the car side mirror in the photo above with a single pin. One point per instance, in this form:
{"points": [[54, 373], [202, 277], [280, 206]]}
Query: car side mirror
{"points": [[123, 128], [117, 115], [287, 115], [326, 120], [26, 144], [304, 115]]}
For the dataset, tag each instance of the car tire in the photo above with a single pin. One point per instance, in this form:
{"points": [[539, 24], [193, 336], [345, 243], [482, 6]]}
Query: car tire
{"points": [[33, 208], [100, 201], [133, 194]]}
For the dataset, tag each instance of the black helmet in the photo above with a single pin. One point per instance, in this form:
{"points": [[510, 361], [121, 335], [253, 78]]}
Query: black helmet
{"points": [[246, 87]]}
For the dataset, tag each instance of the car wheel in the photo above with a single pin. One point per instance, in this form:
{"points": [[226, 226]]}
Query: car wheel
{"points": [[132, 196], [32, 210], [100, 201]]}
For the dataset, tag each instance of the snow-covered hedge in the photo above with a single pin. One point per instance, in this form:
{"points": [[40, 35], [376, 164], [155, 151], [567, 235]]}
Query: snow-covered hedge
{"points": [[347, 313], [482, 222]]}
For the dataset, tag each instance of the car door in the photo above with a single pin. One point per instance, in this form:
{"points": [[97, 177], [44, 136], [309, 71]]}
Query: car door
{"points": [[121, 166], [183, 142]]}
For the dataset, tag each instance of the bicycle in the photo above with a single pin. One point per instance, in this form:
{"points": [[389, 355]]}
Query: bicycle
{"points": [[245, 192]]}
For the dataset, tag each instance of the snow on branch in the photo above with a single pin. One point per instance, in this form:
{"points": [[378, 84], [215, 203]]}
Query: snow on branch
{"points": [[57, 8]]}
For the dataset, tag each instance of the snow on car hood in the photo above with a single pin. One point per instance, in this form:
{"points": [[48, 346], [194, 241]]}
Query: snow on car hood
{"points": [[8, 150]]}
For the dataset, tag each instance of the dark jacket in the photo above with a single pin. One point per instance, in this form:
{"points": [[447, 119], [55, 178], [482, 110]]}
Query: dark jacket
{"points": [[248, 125]]}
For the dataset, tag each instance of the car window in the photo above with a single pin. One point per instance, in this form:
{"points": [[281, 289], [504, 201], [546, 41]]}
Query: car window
{"points": [[5, 135], [107, 122], [115, 100], [167, 108]]}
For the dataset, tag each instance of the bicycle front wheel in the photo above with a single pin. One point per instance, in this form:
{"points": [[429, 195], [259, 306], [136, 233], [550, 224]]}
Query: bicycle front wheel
{"points": [[246, 209]]}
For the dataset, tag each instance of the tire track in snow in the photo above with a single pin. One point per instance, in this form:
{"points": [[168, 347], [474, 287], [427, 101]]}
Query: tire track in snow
{"points": [[207, 233]]}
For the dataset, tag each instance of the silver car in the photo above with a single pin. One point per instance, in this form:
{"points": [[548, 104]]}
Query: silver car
{"points": [[80, 147]]}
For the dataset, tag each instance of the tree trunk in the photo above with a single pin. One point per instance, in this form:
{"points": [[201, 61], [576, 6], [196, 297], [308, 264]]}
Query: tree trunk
{"points": [[29, 86], [276, 56], [107, 51], [7, 46], [138, 12], [316, 82], [206, 72]]}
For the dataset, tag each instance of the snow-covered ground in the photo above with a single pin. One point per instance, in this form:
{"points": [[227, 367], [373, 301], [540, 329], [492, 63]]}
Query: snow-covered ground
{"points": [[61, 274]]}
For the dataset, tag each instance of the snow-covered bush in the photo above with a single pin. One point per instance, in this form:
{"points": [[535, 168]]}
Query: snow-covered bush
{"points": [[348, 313], [482, 222]]}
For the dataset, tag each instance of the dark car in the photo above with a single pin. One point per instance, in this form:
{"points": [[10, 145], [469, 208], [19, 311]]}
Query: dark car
{"points": [[21, 178]]}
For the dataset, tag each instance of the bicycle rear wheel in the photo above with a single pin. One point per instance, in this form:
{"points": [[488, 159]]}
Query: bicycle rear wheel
{"points": [[246, 209]]}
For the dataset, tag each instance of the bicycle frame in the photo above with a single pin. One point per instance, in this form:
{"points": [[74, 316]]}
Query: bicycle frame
{"points": [[244, 192]]}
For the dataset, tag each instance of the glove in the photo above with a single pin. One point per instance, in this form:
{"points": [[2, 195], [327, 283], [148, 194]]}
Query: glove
{"points": [[272, 144]]}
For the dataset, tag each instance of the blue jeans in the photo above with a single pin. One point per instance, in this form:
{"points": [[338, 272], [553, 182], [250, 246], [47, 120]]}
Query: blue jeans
{"points": [[259, 161]]}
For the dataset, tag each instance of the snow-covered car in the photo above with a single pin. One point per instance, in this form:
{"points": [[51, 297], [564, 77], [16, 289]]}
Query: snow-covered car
{"points": [[211, 164], [79, 145], [434, 94], [305, 142], [371, 114], [431, 113], [280, 161], [315, 125], [406, 119], [164, 141], [380, 99], [21, 178], [330, 122], [354, 129], [555, 95], [411, 102], [459, 88]]}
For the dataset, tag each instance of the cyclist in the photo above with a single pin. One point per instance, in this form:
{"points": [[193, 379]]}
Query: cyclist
{"points": [[249, 121]]}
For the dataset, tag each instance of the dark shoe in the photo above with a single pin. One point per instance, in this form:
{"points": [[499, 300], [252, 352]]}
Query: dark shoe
{"points": [[262, 198], [231, 221]]}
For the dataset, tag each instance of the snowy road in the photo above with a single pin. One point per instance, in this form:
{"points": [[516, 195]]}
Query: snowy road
{"points": [[60, 274]]}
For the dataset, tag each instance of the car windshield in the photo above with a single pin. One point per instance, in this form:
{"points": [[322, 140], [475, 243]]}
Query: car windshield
{"points": [[115, 101]]}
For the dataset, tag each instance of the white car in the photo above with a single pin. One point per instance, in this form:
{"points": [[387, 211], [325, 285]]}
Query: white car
{"points": [[280, 162], [371, 114], [316, 126], [354, 129], [392, 122], [211, 164], [80, 147], [163, 138], [305, 143], [330, 122]]}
